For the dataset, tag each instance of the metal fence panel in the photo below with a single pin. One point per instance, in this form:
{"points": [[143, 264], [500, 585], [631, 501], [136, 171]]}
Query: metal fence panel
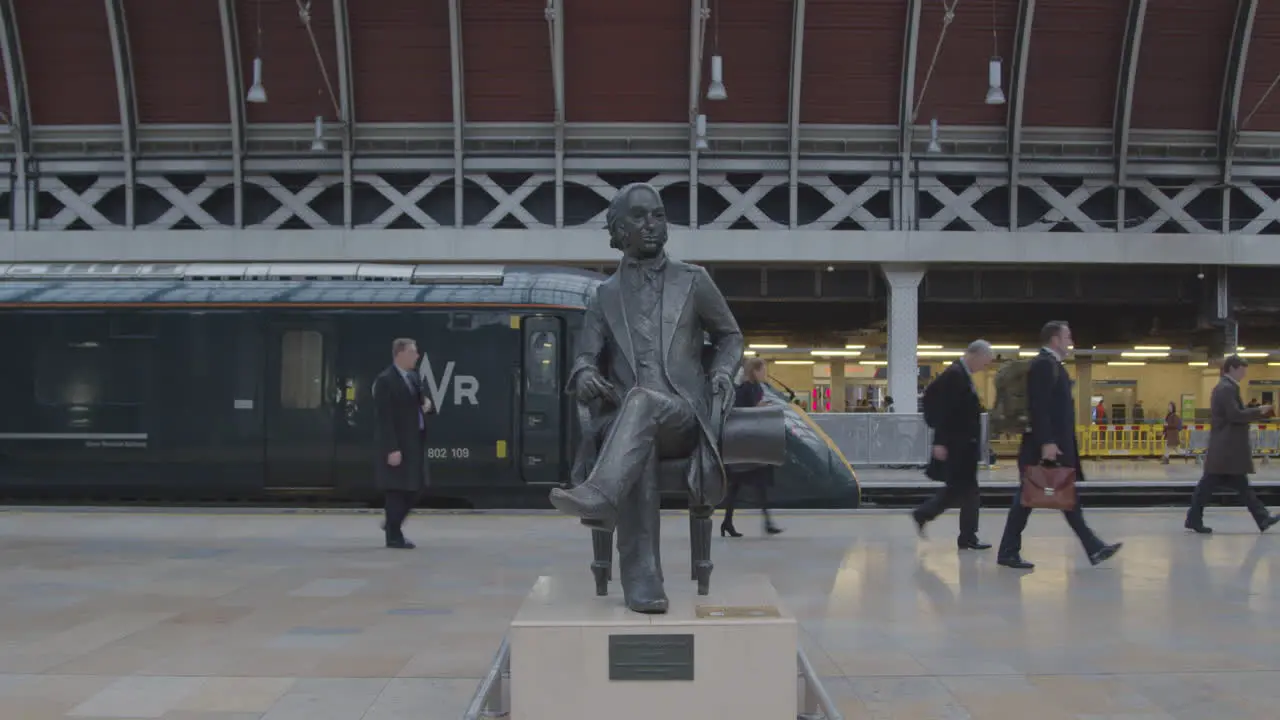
{"points": [[886, 438]]}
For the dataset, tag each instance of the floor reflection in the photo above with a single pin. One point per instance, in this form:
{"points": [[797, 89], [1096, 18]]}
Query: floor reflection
{"points": [[174, 615]]}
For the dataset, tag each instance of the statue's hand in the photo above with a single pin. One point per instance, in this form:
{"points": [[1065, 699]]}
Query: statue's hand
{"points": [[591, 385], [722, 388]]}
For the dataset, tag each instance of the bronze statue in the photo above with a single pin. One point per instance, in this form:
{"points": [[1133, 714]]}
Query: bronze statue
{"points": [[640, 366]]}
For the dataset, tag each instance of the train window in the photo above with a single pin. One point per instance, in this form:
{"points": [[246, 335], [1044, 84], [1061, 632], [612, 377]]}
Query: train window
{"points": [[301, 375], [543, 366], [92, 373]]}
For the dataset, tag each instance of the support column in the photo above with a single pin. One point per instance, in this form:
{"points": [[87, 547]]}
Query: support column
{"points": [[1084, 389], [903, 283], [837, 385]]}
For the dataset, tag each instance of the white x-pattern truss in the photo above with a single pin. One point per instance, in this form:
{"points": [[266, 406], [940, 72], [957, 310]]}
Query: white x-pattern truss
{"points": [[826, 201]]}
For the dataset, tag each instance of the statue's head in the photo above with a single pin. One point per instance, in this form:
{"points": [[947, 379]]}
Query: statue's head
{"points": [[637, 221]]}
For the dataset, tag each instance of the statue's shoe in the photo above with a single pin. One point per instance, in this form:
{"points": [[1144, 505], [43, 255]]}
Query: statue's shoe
{"points": [[649, 606], [643, 592], [585, 502]]}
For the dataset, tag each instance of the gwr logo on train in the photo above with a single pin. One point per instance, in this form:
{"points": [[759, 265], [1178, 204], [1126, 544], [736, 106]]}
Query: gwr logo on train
{"points": [[465, 387]]}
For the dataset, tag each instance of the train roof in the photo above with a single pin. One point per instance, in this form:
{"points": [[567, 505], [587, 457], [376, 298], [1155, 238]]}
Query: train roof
{"points": [[36, 284]]}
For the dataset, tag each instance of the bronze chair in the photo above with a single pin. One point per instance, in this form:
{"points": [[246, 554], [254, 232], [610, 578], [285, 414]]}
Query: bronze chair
{"points": [[750, 435]]}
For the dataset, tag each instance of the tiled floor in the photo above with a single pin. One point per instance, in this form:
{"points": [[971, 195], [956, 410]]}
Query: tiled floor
{"points": [[302, 616], [1177, 472]]}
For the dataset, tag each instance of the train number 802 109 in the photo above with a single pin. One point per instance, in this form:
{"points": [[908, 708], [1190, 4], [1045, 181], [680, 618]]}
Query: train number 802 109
{"points": [[457, 453]]}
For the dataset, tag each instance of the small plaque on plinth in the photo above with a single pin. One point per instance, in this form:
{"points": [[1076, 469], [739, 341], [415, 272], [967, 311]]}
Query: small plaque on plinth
{"points": [[737, 611], [651, 657]]}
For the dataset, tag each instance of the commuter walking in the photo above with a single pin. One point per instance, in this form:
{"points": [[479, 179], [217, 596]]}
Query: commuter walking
{"points": [[400, 432], [1172, 433], [1229, 458], [749, 393], [1050, 439], [952, 409]]}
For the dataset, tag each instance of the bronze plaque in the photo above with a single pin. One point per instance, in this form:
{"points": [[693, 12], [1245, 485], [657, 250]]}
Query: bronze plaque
{"points": [[651, 657], [737, 611]]}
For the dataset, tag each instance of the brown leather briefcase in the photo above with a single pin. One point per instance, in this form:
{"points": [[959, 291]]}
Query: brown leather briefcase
{"points": [[1052, 487]]}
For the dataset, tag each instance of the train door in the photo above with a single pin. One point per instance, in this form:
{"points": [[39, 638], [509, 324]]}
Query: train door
{"points": [[300, 406], [541, 400]]}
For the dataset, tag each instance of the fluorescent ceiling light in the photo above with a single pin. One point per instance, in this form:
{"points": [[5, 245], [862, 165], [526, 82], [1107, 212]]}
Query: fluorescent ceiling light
{"points": [[1028, 353], [1203, 363], [792, 362], [872, 362], [749, 353], [940, 353], [1126, 364], [1006, 347], [855, 347], [1152, 347], [835, 353], [928, 347], [1253, 354], [767, 346], [1128, 353]]}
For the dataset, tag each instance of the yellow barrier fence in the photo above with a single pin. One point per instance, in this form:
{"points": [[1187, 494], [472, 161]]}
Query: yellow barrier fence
{"points": [[1148, 441]]}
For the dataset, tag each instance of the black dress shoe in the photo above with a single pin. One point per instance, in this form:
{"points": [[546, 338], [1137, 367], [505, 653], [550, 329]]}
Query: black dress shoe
{"points": [[1198, 528], [401, 544], [1106, 552], [1268, 523], [919, 525], [974, 544], [1016, 562]]}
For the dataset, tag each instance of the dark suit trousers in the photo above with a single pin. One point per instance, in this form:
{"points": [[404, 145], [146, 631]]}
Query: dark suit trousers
{"points": [[1238, 483], [398, 505], [1011, 542], [650, 426], [961, 495]]}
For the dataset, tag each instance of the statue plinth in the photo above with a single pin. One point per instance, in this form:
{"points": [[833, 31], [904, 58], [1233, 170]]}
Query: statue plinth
{"points": [[730, 654]]}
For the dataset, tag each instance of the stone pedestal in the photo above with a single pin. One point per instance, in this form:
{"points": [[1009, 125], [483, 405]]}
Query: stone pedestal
{"points": [[729, 654]]}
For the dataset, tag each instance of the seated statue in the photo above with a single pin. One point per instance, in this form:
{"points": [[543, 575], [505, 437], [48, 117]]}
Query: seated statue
{"points": [[639, 363]]}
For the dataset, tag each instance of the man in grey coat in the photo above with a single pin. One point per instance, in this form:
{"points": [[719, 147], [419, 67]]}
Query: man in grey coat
{"points": [[1229, 459]]}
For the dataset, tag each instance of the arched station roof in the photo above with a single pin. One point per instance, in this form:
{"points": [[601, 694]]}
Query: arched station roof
{"points": [[1183, 78]]}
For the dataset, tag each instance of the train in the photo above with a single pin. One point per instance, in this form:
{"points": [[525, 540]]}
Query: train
{"points": [[244, 381]]}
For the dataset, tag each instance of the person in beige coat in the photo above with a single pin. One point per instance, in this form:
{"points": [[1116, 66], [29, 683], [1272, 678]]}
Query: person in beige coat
{"points": [[1229, 459]]}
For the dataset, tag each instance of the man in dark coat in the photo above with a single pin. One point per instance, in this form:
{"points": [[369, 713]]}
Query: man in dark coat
{"points": [[400, 431], [639, 358], [952, 409], [1050, 439], [1229, 459], [750, 393]]}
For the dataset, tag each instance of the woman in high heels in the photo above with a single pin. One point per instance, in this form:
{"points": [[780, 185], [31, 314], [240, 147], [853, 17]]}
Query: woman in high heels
{"points": [[749, 394]]}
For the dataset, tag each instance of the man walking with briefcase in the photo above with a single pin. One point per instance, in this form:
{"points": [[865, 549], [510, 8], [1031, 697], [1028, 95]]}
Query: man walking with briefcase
{"points": [[1048, 459]]}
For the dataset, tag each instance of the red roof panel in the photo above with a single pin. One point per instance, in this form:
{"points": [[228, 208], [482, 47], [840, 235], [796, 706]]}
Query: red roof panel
{"points": [[956, 94], [1073, 63], [754, 39], [1181, 64], [400, 61], [506, 51], [291, 74], [1261, 69], [627, 64], [852, 61], [179, 67], [71, 74]]}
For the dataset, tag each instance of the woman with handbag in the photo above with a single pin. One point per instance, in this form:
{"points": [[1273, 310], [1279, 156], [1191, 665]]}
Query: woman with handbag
{"points": [[749, 393]]}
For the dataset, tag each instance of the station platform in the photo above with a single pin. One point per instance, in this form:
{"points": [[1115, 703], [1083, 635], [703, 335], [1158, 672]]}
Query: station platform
{"points": [[1180, 472], [270, 615]]}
